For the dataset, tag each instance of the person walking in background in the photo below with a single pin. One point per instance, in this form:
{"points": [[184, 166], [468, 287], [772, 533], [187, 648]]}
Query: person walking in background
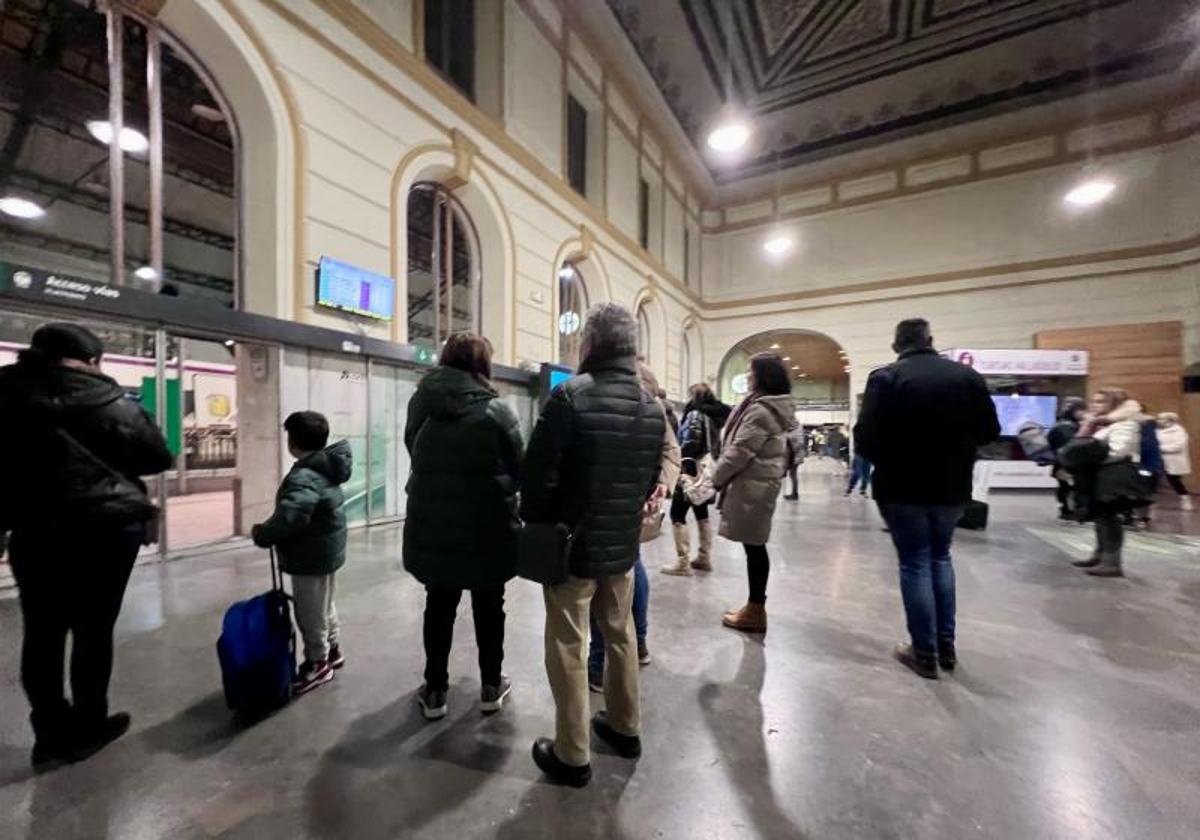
{"points": [[922, 422], [1177, 460], [1069, 418], [1100, 460], [592, 463], [667, 477], [78, 513], [749, 475], [796, 445], [308, 532], [860, 475], [700, 444], [465, 444]]}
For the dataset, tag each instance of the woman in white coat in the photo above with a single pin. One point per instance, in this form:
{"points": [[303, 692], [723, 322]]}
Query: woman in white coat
{"points": [[1177, 461]]}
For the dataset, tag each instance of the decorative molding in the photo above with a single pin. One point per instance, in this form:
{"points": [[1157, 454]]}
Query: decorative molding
{"points": [[587, 242]]}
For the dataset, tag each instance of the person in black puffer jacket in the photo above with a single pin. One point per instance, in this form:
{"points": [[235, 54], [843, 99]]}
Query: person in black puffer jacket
{"points": [[592, 463], [459, 534], [1069, 418], [78, 519]]}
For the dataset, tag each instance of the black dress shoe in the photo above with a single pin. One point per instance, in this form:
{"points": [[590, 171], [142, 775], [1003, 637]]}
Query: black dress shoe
{"points": [[627, 746], [947, 655], [49, 755], [91, 740], [1094, 560], [920, 663], [555, 769]]}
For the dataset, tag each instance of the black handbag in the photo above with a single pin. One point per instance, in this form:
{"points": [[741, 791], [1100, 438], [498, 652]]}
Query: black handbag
{"points": [[544, 552]]}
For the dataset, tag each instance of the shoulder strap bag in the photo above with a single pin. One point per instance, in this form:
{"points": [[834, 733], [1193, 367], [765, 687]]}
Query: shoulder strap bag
{"points": [[122, 497]]}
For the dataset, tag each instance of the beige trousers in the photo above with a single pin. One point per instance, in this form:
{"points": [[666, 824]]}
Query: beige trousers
{"points": [[568, 607]]}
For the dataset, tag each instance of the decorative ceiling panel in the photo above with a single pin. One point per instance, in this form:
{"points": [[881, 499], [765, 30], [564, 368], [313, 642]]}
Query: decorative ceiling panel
{"points": [[821, 77]]}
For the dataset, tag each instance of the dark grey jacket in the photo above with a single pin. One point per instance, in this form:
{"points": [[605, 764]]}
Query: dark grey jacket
{"points": [[592, 462]]}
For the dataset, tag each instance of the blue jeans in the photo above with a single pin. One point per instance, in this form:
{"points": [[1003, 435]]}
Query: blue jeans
{"points": [[860, 474], [922, 535], [641, 622]]}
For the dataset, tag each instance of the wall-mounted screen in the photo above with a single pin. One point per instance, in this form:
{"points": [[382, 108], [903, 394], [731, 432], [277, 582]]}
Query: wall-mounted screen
{"points": [[1016, 410], [355, 290]]}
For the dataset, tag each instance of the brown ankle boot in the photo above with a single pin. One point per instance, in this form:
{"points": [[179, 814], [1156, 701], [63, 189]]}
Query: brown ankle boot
{"points": [[751, 618]]}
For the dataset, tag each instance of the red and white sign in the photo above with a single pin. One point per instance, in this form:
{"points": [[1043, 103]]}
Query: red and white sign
{"points": [[991, 362]]}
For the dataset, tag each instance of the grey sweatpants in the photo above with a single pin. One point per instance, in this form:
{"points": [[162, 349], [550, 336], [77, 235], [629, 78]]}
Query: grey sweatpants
{"points": [[316, 614]]}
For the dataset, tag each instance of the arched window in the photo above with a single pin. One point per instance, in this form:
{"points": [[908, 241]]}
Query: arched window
{"points": [[643, 322], [170, 171], [572, 308], [443, 266]]}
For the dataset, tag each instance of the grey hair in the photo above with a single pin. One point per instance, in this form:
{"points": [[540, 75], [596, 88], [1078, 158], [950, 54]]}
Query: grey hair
{"points": [[609, 333]]}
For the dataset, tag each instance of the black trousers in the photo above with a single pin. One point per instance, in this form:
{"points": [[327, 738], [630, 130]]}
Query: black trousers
{"points": [[680, 507], [758, 567], [70, 583], [1176, 482], [441, 608]]}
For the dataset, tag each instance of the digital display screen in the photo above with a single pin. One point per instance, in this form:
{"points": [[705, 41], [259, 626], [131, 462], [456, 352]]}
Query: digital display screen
{"points": [[558, 377], [1016, 410], [351, 289]]}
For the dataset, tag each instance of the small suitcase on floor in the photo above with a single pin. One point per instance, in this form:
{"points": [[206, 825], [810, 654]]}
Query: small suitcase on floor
{"points": [[974, 516], [257, 651]]}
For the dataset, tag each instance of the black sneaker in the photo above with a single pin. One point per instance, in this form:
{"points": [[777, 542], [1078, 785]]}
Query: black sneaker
{"points": [[492, 697], [433, 703], [947, 655], [555, 769], [311, 675], [644, 657], [90, 741], [920, 663], [337, 659], [49, 754], [627, 746]]}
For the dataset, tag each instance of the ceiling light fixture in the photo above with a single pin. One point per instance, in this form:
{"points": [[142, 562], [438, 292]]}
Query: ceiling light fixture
{"points": [[774, 346], [778, 245], [1090, 192], [729, 137], [131, 140], [21, 208], [146, 272]]}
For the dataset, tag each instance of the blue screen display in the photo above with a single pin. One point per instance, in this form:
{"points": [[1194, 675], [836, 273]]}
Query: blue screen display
{"points": [[1015, 411], [356, 290], [558, 377]]}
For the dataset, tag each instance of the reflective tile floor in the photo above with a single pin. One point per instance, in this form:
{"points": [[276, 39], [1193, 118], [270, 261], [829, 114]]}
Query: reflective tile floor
{"points": [[1075, 713]]}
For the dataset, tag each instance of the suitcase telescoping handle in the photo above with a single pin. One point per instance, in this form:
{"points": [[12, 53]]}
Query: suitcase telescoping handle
{"points": [[276, 575]]}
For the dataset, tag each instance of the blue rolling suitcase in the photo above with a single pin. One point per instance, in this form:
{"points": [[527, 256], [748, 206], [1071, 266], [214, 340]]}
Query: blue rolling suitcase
{"points": [[257, 651]]}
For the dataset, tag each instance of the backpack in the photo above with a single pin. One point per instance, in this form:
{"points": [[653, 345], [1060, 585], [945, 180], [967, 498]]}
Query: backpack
{"points": [[257, 651], [1151, 453]]}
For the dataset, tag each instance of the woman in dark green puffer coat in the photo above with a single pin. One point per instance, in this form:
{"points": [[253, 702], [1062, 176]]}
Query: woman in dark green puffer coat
{"points": [[462, 507]]}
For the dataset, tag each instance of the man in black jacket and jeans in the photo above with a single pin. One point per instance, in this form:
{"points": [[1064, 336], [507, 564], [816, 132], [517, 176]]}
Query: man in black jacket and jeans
{"points": [[922, 422], [79, 445], [592, 461]]}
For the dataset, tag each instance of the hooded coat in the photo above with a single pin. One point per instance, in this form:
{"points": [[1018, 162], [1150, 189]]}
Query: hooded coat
{"points": [[308, 527], [465, 445], [62, 483], [700, 430], [754, 459]]}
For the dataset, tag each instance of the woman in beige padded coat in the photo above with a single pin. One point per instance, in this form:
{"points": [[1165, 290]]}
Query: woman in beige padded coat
{"points": [[749, 476]]}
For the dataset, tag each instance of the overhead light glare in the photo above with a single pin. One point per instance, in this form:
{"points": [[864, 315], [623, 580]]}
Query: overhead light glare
{"points": [[774, 346], [729, 137], [131, 140], [778, 245], [1090, 192], [146, 272], [21, 208], [566, 272]]}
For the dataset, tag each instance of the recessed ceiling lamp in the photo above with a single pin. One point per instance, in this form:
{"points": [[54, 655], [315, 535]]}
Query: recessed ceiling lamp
{"points": [[131, 140], [146, 272], [1090, 192], [728, 137], [787, 358], [774, 346], [21, 208], [207, 112], [778, 245]]}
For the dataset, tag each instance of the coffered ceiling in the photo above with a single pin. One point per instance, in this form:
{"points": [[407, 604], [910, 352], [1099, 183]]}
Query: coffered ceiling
{"points": [[818, 78]]}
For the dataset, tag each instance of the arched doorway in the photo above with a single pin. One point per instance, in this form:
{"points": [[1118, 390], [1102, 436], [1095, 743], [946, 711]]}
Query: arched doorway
{"points": [[819, 367]]}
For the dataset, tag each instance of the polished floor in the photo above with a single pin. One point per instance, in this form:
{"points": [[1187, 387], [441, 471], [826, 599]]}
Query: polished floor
{"points": [[1075, 713]]}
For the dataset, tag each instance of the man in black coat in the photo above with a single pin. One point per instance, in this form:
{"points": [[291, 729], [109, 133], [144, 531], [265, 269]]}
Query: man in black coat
{"points": [[78, 518], [922, 422], [592, 461]]}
